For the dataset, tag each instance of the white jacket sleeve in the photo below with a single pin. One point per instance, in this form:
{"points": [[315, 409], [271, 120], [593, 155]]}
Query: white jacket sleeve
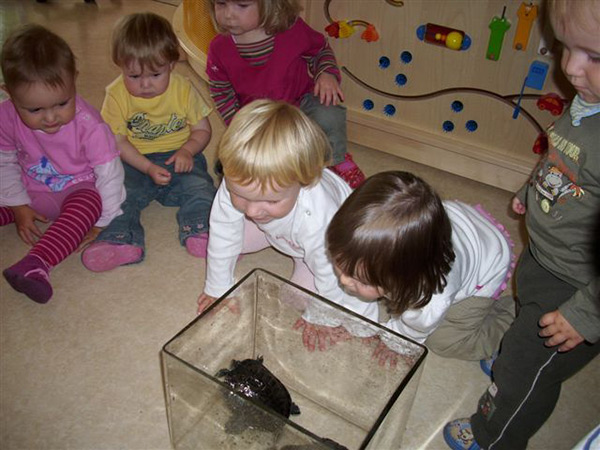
{"points": [[110, 184], [225, 242], [418, 324], [320, 204], [327, 285], [12, 190]]}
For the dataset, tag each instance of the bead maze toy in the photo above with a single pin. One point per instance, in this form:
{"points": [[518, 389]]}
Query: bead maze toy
{"points": [[346, 28], [551, 102], [537, 75], [446, 37], [447, 109], [527, 13], [498, 26]]}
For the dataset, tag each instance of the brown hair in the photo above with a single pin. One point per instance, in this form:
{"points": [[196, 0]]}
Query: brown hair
{"points": [[32, 54], [144, 38], [393, 232], [275, 16]]}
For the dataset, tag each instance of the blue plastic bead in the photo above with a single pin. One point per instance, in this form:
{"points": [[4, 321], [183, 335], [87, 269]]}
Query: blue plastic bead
{"points": [[471, 125], [401, 79], [384, 62], [457, 106], [389, 110], [406, 57], [466, 43], [448, 126], [368, 104]]}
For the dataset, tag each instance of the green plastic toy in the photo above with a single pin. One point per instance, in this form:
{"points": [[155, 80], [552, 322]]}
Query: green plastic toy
{"points": [[499, 26]]}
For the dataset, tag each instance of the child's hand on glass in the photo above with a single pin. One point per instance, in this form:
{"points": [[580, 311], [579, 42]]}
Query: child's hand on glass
{"points": [[159, 175], [328, 90], [183, 159], [25, 218], [205, 301], [89, 238], [383, 354], [321, 336]]}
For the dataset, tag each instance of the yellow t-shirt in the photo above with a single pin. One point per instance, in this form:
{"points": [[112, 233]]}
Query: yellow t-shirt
{"points": [[158, 124]]}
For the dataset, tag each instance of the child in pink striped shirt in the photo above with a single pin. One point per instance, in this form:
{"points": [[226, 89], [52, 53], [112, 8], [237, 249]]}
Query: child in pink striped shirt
{"points": [[266, 51], [58, 159]]}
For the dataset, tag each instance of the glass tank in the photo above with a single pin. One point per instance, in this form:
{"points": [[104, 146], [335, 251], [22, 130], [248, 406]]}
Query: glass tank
{"points": [[346, 399]]}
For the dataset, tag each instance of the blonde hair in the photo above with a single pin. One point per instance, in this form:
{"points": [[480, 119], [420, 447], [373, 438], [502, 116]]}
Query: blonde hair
{"points": [[33, 54], [275, 144], [579, 13], [275, 16], [144, 38]]}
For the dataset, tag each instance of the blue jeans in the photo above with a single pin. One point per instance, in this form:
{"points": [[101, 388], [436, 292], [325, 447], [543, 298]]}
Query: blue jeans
{"points": [[193, 192], [332, 120]]}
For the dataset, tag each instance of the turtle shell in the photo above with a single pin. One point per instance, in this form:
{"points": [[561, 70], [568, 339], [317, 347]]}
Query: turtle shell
{"points": [[253, 380]]}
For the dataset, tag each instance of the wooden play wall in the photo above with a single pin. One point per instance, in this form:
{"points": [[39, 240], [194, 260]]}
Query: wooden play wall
{"points": [[404, 95]]}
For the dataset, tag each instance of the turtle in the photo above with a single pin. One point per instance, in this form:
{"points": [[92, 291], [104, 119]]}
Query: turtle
{"points": [[251, 379]]}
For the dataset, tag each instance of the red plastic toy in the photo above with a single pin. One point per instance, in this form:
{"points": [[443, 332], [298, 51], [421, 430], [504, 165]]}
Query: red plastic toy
{"points": [[551, 102], [541, 144]]}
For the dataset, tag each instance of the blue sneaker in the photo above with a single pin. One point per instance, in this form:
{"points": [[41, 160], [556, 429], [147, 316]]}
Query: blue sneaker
{"points": [[487, 364], [459, 435]]}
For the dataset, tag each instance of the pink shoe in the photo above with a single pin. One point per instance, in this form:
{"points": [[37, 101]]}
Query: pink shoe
{"points": [[104, 256], [31, 277], [197, 245], [349, 172]]}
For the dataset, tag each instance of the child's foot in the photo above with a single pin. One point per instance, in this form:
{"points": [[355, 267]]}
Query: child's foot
{"points": [[349, 172], [459, 435], [197, 245], [104, 256], [31, 277], [487, 364]]}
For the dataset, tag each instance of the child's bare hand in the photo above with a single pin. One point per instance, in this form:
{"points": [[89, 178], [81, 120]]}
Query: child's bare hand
{"points": [[89, 238], [518, 207], [560, 331], [371, 341], [320, 336], [328, 90], [204, 301], [159, 175], [25, 218], [384, 354], [184, 161]]}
